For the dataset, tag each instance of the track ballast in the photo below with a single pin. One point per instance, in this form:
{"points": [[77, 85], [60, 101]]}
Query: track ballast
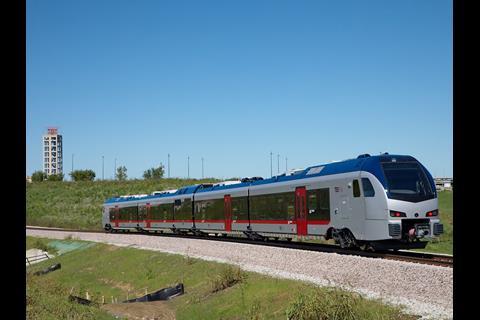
{"points": [[408, 256]]}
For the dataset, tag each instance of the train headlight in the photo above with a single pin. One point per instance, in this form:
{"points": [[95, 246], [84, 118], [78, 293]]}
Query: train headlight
{"points": [[397, 214], [432, 213]]}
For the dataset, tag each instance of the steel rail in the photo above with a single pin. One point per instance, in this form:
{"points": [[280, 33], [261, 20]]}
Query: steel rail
{"points": [[408, 256]]}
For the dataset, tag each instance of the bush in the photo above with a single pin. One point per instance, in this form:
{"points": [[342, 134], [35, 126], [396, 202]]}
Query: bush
{"points": [[55, 177], [154, 173], [228, 278], [121, 173], [83, 175], [38, 176]]}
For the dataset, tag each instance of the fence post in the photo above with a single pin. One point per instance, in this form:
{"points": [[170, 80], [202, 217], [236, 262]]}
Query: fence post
{"points": [[103, 299]]}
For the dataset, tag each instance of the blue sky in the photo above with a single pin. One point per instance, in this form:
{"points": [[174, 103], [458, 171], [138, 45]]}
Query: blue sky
{"points": [[232, 81]]}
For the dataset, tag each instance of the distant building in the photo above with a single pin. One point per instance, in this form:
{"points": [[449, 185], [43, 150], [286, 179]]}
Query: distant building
{"points": [[52, 152], [444, 183], [29, 179]]}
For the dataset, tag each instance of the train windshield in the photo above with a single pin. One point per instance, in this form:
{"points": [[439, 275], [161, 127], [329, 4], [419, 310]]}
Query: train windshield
{"points": [[407, 181]]}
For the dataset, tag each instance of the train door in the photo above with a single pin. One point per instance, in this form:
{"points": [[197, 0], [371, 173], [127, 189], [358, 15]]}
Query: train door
{"points": [[301, 210], [228, 212], [148, 218], [116, 214]]}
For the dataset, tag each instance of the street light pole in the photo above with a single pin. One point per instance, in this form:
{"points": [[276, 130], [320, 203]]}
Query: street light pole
{"points": [[202, 167], [103, 167], [72, 163], [278, 163], [169, 165], [188, 167], [115, 170], [271, 171]]}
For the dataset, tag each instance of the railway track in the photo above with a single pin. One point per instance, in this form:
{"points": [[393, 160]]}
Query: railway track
{"points": [[409, 256]]}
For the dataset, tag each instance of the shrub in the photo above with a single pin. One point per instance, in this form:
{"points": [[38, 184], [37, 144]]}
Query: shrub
{"points": [[228, 278], [38, 176], [121, 173], [55, 177], [83, 175], [154, 173]]}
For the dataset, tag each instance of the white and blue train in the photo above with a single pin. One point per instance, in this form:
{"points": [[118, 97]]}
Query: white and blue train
{"points": [[375, 202]]}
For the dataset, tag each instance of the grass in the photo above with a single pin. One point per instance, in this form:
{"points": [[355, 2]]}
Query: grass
{"points": [[212, 290], [68, 204], [445, 242], [40, 243], [79, 204]]}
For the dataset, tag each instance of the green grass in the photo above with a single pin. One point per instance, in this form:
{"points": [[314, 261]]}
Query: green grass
{"points": [[79, 204], [112, 271], [445, 242]]}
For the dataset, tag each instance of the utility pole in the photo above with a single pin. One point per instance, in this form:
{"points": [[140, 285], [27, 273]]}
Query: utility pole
{"points": [[103, 167], [278, 163], [202, 167], [271, 171], [188, 167], [72, 162], [169, 165], [115, 170], [286, 165]]}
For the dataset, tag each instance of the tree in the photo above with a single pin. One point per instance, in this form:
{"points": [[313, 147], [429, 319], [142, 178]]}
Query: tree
{"points": [[38, 176], [154, 173], [121, 173], [83, 175], [55, 177]]}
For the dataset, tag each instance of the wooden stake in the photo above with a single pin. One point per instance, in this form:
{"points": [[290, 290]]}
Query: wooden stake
{"points": [[112, 300], [87, 296], [103, 299]]}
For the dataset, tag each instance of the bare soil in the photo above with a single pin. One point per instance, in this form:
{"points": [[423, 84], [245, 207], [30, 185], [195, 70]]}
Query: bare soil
{"points": [[155, 310]]}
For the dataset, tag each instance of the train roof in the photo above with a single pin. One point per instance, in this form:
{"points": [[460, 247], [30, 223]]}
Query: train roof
{"points": [[363, 162]]}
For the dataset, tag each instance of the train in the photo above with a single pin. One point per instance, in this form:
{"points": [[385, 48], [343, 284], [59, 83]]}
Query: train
{"points": [[371, 202]]}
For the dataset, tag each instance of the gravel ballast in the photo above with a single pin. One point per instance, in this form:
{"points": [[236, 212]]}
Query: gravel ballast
{"points": [[422, 289]]}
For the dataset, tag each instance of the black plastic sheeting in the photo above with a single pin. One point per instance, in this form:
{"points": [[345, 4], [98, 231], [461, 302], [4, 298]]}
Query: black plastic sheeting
{"points": [[79, 300], [49, 269], [163, 294]]}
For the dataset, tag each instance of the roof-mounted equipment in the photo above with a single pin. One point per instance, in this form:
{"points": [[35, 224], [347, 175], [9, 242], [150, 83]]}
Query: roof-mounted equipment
{"points": [[251, 179], [365, 155]]}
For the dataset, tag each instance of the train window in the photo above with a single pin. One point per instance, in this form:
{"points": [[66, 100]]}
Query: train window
{"points": [[128, 213], [368, 190], [239, 208], [142, 212], [162, 211], [184, 210], [112, 213], [278, 206], [318, 202], [356, 188], [210, 209]]}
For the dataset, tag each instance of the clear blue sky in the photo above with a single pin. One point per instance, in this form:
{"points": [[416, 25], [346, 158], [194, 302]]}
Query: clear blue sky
{"points": [[232, 81]]}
